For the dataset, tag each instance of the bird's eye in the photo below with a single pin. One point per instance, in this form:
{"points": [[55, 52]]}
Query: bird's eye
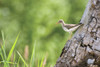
{"points": [[60, 21]]}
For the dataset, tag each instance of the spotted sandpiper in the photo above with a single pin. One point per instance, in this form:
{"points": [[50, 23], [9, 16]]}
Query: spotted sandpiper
{"points": [[69, 27]]}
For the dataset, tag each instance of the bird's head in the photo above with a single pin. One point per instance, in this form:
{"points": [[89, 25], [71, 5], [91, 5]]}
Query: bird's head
{"points": [[60, 21]]}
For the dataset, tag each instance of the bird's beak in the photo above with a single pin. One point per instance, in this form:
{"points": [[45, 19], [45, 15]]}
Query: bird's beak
{"points": [[57, 23]]}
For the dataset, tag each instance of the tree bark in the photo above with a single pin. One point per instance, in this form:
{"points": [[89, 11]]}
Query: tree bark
{"points": [[83, 50]]}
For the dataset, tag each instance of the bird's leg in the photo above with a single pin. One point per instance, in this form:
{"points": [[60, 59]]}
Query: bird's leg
{"points": [[70, 35]]}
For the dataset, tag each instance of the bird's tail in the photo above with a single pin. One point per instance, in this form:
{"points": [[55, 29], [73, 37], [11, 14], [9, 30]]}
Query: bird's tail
{"points": [[78, 25], [81, 24]]}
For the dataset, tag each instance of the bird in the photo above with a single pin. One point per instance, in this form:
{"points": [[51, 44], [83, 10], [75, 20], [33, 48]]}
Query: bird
{"points": [[69, 27]]}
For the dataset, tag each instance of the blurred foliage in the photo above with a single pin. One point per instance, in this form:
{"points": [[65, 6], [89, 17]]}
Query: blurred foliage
{"points": [[36, 21]]}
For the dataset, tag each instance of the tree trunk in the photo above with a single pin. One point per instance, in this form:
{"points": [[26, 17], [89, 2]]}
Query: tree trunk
{"points": [[83, 50]]}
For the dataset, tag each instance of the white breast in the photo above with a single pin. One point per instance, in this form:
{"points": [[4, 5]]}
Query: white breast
{"points": [[65, 29], [70, 30]]}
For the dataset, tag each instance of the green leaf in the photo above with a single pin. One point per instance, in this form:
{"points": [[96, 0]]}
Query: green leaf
{"points": [[12, 49], [32, 56], [22, 59]]}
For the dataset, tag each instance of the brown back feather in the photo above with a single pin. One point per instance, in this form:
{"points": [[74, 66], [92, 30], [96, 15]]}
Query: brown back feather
{"points": [[71, 25]]}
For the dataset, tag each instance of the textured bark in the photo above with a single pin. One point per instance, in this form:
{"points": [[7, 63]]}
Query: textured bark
{"points": [[83, 50]]}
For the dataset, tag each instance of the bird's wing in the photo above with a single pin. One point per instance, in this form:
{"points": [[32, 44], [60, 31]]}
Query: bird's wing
{"points": [[70, 25]]}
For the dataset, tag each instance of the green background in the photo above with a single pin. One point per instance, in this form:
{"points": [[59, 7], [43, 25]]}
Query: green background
{"points": [[36, 21]]}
